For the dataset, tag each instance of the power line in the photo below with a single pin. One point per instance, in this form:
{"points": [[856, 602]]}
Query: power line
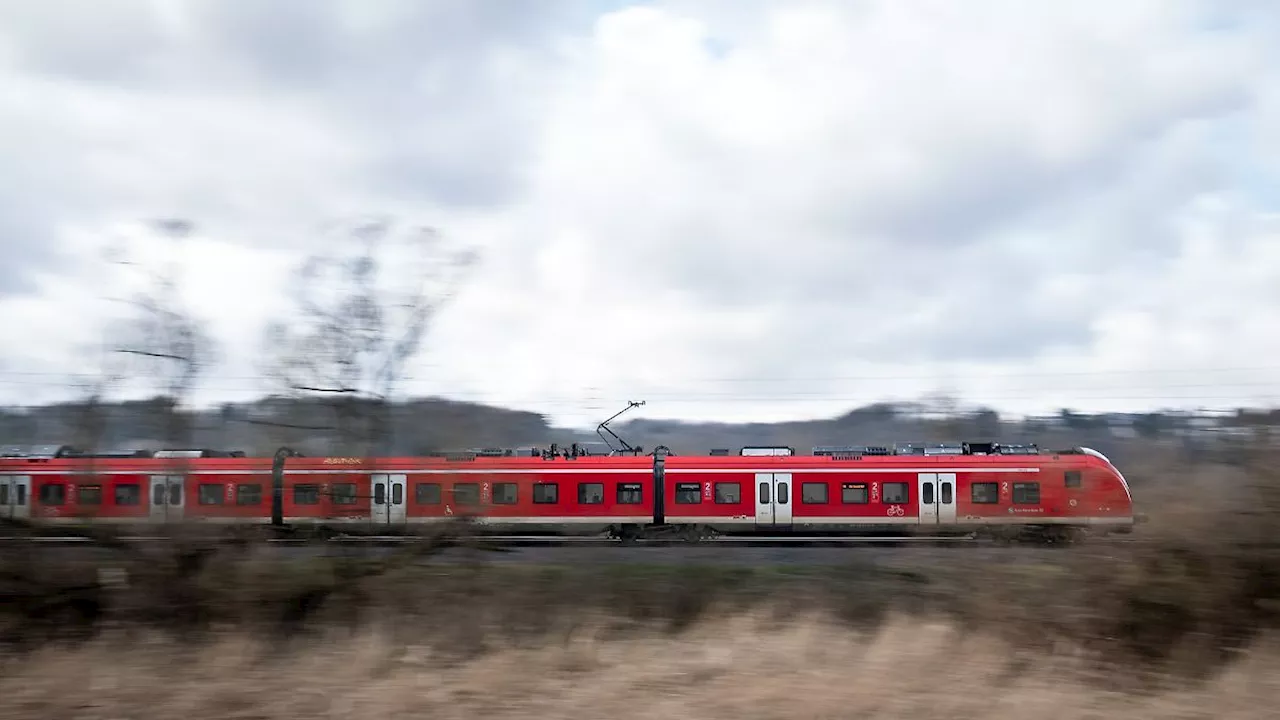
{"points": [[931, 377]]}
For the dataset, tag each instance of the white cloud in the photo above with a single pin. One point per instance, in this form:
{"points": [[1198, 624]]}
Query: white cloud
{"points": [[746, 210]]}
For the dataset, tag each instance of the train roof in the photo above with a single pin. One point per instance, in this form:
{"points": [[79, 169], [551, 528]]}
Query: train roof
{"points": [[580, 450]]}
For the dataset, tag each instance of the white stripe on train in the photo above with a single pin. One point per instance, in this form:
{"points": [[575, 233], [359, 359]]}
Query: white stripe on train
{"points": [[625, 520], [538, 471]]}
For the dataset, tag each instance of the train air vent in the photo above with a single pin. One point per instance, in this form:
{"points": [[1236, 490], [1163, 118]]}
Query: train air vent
{"points": [[767, 450]]}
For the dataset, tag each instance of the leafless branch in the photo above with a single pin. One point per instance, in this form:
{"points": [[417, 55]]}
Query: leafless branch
{"points": [[361, 310]]}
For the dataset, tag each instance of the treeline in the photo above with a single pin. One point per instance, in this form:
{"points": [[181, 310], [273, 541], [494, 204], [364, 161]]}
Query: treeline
{"points": [[310, 426], [317, 426]]}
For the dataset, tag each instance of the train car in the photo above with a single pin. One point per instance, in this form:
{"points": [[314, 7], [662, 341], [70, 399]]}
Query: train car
{"points": [[550, 493], [940, 489], [900, 489]]}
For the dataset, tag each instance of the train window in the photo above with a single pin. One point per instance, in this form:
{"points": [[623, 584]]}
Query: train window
{"points": [[728, 493], [89, 495], [157, 495], [630, 493], [380, 493], [427, 493], [397, 493], [854, 493], [504, 493], [175, 492], [895, 493], [946, 494], [209, 494], [813, 493], [783, 495], [128, 494], [1072, 478], [466, 493], [344, 493], [688, 493], [53, 494], [248, 494], [1026, 493], [590, 493], [4, 493], [306, 494], [548, 493], [926, 493], [985, 493], [19, 495]]}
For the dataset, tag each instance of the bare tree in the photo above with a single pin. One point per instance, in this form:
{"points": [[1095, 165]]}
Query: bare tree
{"points": [[163, 342], [361, 311]]}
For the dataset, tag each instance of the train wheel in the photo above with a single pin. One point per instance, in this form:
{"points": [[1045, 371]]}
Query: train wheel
{"points": [[693, 534], [627, 534]]}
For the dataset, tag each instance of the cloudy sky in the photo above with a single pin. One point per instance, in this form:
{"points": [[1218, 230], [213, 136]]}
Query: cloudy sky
{"points": [[738, 210]]}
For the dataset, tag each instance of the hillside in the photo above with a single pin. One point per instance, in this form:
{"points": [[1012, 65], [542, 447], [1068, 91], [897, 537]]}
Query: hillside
{"points": [[317, 427]]}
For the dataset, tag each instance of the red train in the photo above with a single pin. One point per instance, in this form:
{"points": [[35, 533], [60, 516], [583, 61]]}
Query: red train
{"points": [[763, 491]]}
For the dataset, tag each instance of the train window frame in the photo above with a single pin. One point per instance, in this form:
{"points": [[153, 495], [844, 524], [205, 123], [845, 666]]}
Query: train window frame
{"points": [[994, 495], [344, 493], [423, 493], [585, 499], [397, 493], [306, 494], [1020, 490], [546, 493], [380, 493], [846, 487], [462, 493], [47, 490], [630, 493], [906, 493], [1073, 479], [926, 493], [85, 492], [248, 494], [805, 498], [688, 493], [209, 494], [945, 494], [505, 489], [127, 494], [725, 499]]}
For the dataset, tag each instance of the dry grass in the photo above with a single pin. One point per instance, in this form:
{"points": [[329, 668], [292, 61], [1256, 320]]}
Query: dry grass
{"points": [[742, 667]]}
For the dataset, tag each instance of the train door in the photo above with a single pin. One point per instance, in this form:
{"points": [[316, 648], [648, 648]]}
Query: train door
{"points": [[773, 499], [928, 487], [14, 493], [167, 498], [937, 493], [946, 498], [388, 499], [396, 510]]}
